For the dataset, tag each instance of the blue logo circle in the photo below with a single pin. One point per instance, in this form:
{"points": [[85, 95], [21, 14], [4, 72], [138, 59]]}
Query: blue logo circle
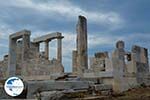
{"points": [[14, 86]]}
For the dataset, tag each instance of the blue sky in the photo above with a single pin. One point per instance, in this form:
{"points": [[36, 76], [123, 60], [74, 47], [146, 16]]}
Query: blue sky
{"points": [[108, 22]]}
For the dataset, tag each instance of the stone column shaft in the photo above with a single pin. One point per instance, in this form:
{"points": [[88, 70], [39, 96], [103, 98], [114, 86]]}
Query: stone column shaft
{"points": [[38, 47], [25, 54], [59, 50], [12, 57], [47, 49], [82, 56], [74, 61], [25, 47]]}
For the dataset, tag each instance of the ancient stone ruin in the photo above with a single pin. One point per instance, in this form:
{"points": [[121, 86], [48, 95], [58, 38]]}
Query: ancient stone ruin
{"points": [[80, 56], [26, 60], [45, 79]]}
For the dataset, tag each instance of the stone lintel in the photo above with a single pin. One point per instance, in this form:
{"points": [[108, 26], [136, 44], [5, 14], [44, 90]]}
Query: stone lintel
{"points": [[19, 34], [48, 37]]}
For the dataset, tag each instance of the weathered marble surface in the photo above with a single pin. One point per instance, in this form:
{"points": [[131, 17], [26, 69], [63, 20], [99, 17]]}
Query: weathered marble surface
{"points": [[39, 86]]}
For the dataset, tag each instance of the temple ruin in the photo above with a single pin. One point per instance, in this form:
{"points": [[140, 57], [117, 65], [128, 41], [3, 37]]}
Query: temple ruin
{"points": [[25, 58], [45, 77]]}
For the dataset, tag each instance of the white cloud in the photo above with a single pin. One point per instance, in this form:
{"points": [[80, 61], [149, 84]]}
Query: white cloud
{"points": [[4, 32], [97, 40], [60, 9]]}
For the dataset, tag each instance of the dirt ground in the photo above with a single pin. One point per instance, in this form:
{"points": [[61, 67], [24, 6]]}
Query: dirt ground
{"points": [[141, 93]]}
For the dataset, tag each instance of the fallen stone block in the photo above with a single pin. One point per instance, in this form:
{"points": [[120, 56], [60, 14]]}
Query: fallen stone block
{"points": [[51, 95], [102, 87], [94, 80], [34, 87], [106, 92]]}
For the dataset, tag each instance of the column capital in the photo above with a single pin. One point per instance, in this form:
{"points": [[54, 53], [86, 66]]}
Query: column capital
{"points": [[61, 37], [47, 41]]}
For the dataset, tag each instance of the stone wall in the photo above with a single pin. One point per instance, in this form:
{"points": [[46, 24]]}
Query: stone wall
{"points": [[4, 67]]}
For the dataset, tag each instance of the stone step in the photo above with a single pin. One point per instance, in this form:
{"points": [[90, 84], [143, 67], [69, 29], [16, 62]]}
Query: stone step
{"points": [[95, 80]]}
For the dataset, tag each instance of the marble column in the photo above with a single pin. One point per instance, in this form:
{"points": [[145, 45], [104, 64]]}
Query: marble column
{"points": [[47, 50], [25, 54], [37, 47], [12, 57], [59, 50], [82, 45], [74, 61], [25, 47], [119, 67]]}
